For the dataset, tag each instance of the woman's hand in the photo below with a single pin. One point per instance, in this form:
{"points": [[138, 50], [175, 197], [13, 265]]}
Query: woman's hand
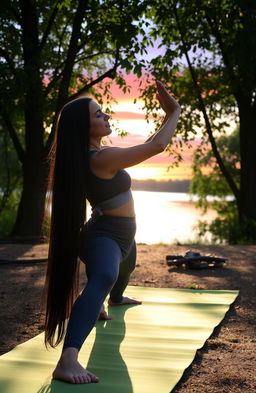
{"points": [[167, 102]]}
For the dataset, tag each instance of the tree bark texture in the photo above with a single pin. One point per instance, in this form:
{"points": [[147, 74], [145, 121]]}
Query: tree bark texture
{"points": [[30, 216], [248, 160], [30, 213]]}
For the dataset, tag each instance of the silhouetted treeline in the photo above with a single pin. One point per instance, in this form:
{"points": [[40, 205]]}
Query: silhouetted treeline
{"points": [[164, 186]]}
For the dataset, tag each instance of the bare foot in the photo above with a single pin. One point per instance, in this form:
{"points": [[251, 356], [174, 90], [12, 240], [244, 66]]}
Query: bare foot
{"points": [[125, 300], [70, 370], [104, 315]]}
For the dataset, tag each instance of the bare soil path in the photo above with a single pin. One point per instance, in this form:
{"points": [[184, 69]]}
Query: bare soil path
{"points": [[227, 362]]}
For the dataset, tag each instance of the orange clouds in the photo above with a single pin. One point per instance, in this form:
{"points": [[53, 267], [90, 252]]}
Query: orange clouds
{"points": [[157, 166], [126, 115], [130, 117], [160, 172]]}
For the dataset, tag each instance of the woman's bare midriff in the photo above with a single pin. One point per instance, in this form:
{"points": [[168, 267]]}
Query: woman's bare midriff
{"points": [[126, 210]]}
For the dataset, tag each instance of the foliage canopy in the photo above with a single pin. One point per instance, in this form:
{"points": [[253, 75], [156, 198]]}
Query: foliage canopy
{"points": [[52, 52]]}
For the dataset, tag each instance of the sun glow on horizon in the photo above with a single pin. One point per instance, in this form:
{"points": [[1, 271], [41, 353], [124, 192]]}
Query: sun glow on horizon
{"points": [[127, 105], [159, 172], [130, 117]]}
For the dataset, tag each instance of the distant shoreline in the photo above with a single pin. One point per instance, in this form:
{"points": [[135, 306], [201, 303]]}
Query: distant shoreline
{"points": [[157, 185], [161, 186]]}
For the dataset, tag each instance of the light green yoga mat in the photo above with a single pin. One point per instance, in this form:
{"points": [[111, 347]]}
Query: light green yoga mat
{"points": [[144, 349]]}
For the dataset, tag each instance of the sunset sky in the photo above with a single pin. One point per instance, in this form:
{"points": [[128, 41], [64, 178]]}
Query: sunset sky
{"points": [[131, 118]]}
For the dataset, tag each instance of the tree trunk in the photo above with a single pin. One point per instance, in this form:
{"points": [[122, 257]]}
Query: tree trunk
{"points": [[248, 160], [29, 219], [30, 216], [30, 213]]}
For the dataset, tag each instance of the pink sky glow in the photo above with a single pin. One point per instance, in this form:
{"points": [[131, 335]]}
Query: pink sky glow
{"points": [[130, 117]]}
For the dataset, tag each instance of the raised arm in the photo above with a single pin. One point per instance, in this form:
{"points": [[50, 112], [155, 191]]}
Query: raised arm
{"points": [[168, 104], [115, 158]]}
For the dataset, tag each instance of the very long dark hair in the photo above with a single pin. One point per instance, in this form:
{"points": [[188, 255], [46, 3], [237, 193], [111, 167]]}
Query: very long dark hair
{"points": [[67, 160]]}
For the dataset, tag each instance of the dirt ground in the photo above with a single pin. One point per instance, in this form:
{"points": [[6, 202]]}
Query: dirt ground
{"points": [[226, 363]]}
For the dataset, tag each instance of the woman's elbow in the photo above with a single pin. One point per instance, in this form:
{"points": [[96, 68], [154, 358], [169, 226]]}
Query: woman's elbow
{"points": [[158, 147]]}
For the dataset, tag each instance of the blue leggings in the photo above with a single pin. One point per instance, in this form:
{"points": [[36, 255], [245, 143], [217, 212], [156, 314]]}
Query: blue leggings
{"points": [[108, 250]]}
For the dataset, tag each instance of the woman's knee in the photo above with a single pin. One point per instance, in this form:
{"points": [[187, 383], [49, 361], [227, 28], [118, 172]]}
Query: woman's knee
{"points": [[105, 279]]}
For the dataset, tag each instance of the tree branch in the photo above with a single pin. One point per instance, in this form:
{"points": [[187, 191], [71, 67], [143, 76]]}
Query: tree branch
{"points": [[71, 54], [13, 134], [57, 76], [5, 55], [111, 73], [16, 14], [228, 65], [48, 27], [220, 162], [108, 74], [83, 56], [70, 59], [69, 64]]}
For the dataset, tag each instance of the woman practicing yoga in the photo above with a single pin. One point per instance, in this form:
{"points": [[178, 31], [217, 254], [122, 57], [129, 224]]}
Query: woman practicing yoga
{"points": [[80, 169]]}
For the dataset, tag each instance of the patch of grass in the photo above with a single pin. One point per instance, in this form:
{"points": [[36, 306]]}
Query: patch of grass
{"points": [[233, 339], [153, 244], [193, 285], [8, 215], [195, 242], [161, 244]]}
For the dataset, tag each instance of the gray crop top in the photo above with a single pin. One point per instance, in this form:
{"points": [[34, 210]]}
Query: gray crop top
{"points": [[107, 193]]}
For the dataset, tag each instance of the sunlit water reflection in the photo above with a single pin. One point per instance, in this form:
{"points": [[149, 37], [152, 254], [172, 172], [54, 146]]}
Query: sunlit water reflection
{"points": [[167, 217]]}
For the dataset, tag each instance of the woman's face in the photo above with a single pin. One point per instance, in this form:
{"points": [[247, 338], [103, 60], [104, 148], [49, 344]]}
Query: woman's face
{"points": [[99, 125]]}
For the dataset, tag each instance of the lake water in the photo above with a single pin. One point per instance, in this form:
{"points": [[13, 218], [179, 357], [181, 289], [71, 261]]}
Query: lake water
{"points": [[167, 217]]}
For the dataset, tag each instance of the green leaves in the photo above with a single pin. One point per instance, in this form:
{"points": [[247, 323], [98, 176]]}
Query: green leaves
{"points": [[209, 181], [209, 62], [52, 51]]}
